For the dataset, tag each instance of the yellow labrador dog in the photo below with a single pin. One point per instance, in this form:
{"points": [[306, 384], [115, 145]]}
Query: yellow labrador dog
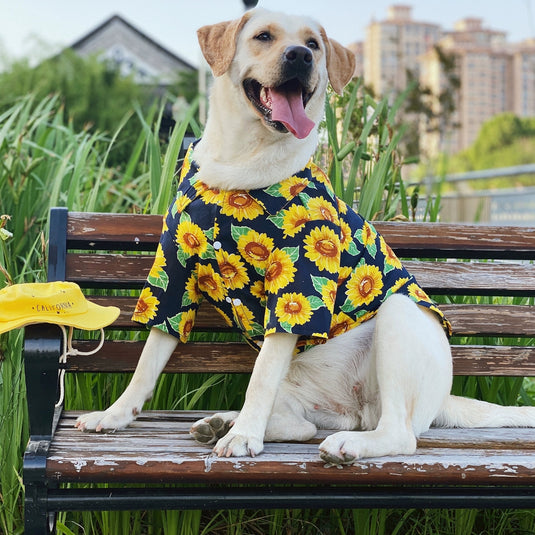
{"points": [[380, 382]]}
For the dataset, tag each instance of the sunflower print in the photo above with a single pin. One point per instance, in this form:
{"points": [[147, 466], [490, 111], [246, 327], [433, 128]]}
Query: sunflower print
{"points": [[288, 258], [191, 238], [146, 307], [232, 269], [365, 285], [255, 248], [280, 271], [292, 186], [322, 246], [294, 219], [210, 282], [320, 208], [390, 258], [240, 205], [293, 309]]}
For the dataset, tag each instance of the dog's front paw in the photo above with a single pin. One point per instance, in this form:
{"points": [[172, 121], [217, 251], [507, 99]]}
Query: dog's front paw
{"points": [[210, 429], [339, 449], [238, 445], [108, 420]]}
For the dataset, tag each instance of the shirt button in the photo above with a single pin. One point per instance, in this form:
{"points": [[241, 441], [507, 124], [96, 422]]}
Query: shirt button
{"points": [[217, 245], [236, 302]]}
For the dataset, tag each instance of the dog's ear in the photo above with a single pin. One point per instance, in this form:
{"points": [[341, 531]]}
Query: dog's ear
{"points": [[218, 43], [340, 63]]}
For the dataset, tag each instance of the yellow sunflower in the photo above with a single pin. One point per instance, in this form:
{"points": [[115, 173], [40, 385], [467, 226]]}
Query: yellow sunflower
{"points": [[240, 205], [390, 258], [343, 274], [340, 324], [365, 285], [255, 248], [322, 246], [398, 284], [342, 206], [244, 317], [320, 208], [292, 186], [345, 236], [417, 293], [232, 269], [180, 203], [258, 290], [186, 166], [192, 289], [185, 325], [191, 238], [294, 219], [328, 294], [210, 282], [368, 234], [159, 263], [293, 308], [320, 176], [279, 271], [147, 306], [213, 196]]}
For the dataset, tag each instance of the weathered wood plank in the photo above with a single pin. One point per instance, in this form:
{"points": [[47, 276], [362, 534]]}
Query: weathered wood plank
{"points": [[449, 278], [503, 241], [466, 320], [234, 357], [444, 457]]}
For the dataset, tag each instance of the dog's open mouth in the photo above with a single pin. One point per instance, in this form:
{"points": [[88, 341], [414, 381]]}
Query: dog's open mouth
{"points": [[282, 107]]}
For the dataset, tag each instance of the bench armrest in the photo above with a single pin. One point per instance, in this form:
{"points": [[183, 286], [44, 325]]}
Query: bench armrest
{"points": [[42, 349]]}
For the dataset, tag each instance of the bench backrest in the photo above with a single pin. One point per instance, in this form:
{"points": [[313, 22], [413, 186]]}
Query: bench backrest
{"points": [[109, 256]]}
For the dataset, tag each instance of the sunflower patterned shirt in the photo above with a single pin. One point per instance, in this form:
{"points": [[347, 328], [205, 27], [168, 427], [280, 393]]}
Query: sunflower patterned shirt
{"points": [[290, 258]]}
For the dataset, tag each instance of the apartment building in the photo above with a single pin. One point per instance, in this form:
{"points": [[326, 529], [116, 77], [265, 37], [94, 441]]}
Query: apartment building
{"points": [[393, 46], [484, 67], [495, 76]]}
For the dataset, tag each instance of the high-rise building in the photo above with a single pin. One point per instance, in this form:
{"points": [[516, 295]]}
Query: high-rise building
{"points": [[495, 76], [393, 46]]}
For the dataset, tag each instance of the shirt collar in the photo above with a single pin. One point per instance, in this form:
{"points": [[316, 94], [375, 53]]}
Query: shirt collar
{"points": [[272, 199]]}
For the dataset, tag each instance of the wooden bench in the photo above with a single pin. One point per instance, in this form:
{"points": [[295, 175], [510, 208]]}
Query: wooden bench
{"points": [[109, 255]]}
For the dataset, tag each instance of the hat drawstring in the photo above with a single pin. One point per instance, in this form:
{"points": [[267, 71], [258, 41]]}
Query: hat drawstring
{"points": [[68, 351]]}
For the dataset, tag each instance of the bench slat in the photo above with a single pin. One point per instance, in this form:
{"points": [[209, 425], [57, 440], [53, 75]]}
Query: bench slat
{"points": [[411, 239], [466, 320], [449, 278], [235, 357], [148, 452]]}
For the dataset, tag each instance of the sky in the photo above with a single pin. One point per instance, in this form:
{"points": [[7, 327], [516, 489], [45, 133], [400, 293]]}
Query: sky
{"points": [[38, 28]]}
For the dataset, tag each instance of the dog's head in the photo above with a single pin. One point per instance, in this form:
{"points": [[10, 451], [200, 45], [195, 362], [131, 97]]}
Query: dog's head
{"points": [[280, 64]]}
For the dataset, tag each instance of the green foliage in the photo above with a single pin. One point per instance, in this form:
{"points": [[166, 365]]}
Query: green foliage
{"points": [[503, 141], [95, 97], [362, 154]]}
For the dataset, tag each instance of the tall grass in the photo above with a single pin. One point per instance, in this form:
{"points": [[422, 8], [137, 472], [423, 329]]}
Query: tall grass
{"points": [[44, 162]]}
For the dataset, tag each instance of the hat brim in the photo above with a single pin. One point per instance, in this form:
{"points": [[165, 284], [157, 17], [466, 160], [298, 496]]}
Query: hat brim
{"points": [[94, 318]]}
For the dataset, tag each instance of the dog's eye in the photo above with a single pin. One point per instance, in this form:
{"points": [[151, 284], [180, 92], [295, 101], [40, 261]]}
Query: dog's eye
{"points": [[313, 44], [263, 36]]}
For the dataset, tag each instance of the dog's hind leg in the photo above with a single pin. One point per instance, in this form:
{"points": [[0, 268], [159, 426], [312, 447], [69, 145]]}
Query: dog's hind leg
{"points": [[466, 412], [413, 374], [156, 352]]}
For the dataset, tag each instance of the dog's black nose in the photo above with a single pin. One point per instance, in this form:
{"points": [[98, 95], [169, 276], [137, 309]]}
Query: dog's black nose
{"points": [[297, 62], [298, 55]]}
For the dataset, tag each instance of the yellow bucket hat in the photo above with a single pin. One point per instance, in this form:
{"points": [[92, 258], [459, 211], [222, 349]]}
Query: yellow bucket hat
{"points": [[62, 303]]}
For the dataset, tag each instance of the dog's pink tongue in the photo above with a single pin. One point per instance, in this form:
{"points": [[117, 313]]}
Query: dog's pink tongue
{"points": [[287, 108]]}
